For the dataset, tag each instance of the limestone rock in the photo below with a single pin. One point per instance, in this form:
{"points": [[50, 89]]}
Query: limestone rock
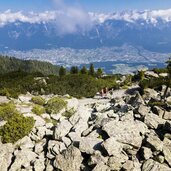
{"points": [[143, 110], [151, 74], [112, 146], [25, 98], [101, 167], [97, 158], [23, 158], [124, 132], [154, 142], [167, 115], [128, 165], [66, 141], [115, 162], [150, 93], [4, 99], [6, 151], [153, 121], [151, 165], [167, 150], [72, 104], [39, 146], [80, 126], [39, 165], [55, 148], [62, 129], [147, 153], [25, 143], [89, 145], [70, 159]]}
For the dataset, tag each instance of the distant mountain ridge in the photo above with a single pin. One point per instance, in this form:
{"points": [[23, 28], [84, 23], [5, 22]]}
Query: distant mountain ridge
{"points": [[148, 29], [9, 64]]}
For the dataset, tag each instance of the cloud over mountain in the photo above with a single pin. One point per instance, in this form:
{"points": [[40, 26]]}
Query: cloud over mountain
{"points": [[70, 19]]}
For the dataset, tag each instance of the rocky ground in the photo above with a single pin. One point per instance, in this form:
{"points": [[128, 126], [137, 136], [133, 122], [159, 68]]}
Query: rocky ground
{"points": [[118, 132]]}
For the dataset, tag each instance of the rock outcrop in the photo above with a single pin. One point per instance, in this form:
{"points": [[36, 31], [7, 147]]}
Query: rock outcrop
{"points": [[119, 133]]}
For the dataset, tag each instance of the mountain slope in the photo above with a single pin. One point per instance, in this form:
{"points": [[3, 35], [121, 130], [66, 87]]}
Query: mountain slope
{"points": [[8, 64], [149, 29]]}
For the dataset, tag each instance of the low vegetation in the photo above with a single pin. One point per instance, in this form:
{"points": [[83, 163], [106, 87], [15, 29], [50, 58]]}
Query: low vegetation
{"points": [[17, 125], [55, 105], [38, 100], [38, 110]]}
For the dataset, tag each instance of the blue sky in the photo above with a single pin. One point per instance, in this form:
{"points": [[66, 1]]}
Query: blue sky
{"points": [[89, 5]]}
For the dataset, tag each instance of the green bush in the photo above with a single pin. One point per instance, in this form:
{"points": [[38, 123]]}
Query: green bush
{"points": [[160, 104], [38, 100], [160, 70], [7, 110], [55, 105], [152, 83], [16, 128], [38, 110], [10, 92]]}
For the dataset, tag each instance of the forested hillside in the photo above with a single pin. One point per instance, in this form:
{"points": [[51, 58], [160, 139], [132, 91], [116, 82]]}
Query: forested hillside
{"points": [[10, 64]]}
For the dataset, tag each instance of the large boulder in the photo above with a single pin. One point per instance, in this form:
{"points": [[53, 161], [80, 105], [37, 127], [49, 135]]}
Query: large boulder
{"points": [[72, 104], [151, 74], [112, 146], [167, 115], [143, 110], [151, 165], [154, 142], [55, 148], [23, 158], [102, 107], [97, 158], [6, 151], [25, 98], [101, 167], [153, 121], [4, 99], [116, 161], [89, 144], [70, 159], [39, 165], [167, 150], [25, 143], [62, 129], [146, 153], [150, 93], [124, 132], [39, 146], [80, 126]]}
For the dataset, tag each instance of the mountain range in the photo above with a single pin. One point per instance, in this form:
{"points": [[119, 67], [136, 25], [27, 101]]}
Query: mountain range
{"points": [[150, 30]]}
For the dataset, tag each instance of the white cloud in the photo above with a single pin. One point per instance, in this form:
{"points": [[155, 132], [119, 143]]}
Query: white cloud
{"points": [[12, 17], [66, 18], [70, 19], [132, 16]]}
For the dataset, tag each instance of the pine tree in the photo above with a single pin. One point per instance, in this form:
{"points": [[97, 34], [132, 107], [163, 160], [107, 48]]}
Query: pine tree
{"points": [[74, 70], [83, 70], [99, 72], [62, 71], [91, 70]]}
